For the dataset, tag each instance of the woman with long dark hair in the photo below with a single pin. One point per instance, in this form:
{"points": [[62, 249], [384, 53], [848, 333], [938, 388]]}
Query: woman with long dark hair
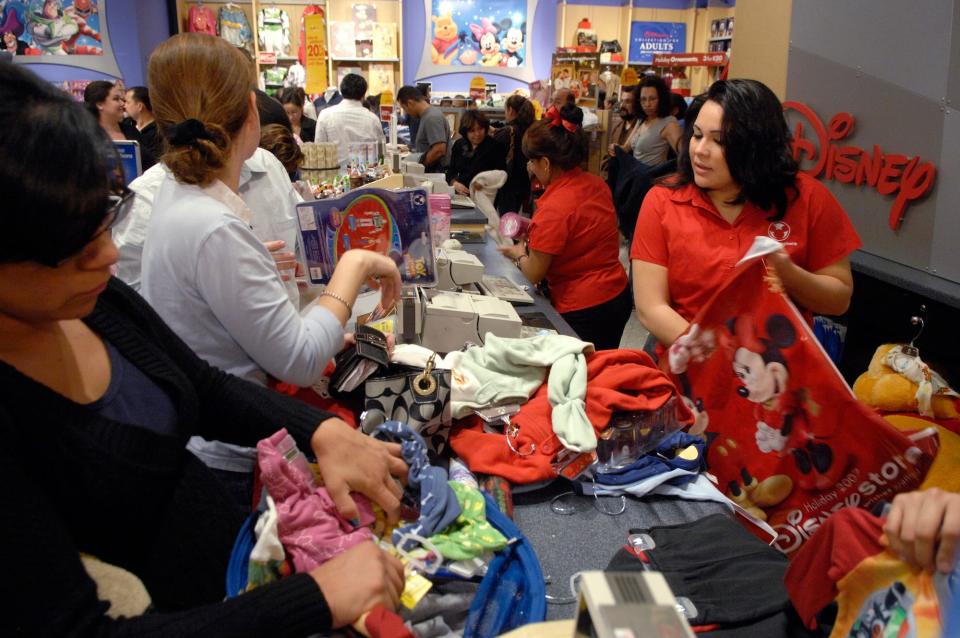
{"points": [[658, 132], [573, 240], [106, 101], [737, 179]]}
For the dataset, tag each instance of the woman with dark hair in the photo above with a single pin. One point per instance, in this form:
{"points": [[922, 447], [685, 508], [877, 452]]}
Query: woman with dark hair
{"points": [[658, 132], [293, 98], [737, 180], [573, 240], [99, 400], [106, 102], [474, 153], [514, 196]]}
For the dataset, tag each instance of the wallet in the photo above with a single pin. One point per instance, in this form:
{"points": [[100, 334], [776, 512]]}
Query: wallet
{"points": [[354, 364]]}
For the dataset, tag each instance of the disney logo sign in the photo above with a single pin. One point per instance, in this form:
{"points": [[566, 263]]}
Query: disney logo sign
{"points": [[888, 173]]}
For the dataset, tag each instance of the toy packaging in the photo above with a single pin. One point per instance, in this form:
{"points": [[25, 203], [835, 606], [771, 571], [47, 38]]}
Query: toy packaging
{"points": [[788, 441], [393, 223]]}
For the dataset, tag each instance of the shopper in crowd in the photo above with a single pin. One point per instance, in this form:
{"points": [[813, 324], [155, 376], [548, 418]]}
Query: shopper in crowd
{"points": [[281, 143], [271, 111], [628, 123], [737, 179], [139, 109], [573, 240], [433, 131], [293, 98], [474, 153], [204, 270], [678, 108], [106, 102], [514, 196], [658, 132], [349, 122], [99, 399]]}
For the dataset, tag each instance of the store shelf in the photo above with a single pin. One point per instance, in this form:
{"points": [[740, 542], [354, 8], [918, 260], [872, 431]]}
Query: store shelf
{"points": [[729, 37], [365, 59], [281, 59]]}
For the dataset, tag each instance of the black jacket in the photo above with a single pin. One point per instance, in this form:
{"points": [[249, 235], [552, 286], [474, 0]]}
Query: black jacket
{"points": [[75, 482], [466, 162]]}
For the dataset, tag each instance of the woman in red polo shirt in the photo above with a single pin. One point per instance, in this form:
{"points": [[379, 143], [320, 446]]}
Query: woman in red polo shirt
{"points": [[737, 179], [573, 240]]}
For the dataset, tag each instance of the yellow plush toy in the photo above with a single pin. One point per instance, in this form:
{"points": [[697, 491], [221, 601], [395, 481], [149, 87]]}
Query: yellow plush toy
{"points": [[898, 381]]}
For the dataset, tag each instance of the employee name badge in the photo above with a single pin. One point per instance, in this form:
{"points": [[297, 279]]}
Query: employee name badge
{"points": [[392, 223]]}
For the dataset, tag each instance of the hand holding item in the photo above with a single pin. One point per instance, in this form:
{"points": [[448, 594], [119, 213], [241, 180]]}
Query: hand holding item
{"points": [[350, 461], [513, 252], [358, 580], [460, 188], [286, 261], [923, 527]]}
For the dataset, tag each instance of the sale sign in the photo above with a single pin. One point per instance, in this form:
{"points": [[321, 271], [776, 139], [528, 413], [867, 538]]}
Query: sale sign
{"points": [[315, 29]]}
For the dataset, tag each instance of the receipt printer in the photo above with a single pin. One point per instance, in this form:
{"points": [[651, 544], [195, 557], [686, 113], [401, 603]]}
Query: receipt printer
{"points": [[635, 604], [444, 321], [457, 268]]}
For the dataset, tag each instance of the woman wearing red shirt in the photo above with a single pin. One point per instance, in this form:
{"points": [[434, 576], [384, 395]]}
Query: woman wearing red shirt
{"points": [[737, 179], [573, 240]]}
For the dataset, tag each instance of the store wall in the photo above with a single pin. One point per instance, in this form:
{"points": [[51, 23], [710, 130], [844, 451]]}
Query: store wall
{"points": [[896, 69], [761, 42], [135, 28]]}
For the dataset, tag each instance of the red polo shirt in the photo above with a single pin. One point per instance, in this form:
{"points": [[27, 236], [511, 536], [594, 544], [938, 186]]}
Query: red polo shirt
{"points": [[576, 223], [682, 230]]}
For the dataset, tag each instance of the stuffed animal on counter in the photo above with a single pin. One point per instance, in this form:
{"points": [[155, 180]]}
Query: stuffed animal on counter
{"points": [[898, 380]]}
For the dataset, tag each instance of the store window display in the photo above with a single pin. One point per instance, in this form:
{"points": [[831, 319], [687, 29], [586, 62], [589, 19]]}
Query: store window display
{"points": [[114, 479], [474, 153], [737, 179], [573, 240], [658, 132]]}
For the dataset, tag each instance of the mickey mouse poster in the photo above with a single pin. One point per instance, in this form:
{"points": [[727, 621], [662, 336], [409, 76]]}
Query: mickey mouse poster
{"points": [[787, 440]]}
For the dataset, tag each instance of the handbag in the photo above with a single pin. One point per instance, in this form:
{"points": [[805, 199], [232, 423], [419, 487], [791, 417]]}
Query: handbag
{"points": [[418, 397]]}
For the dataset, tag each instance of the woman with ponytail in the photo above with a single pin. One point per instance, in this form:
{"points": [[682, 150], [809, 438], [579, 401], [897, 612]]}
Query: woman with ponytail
{"points": [[573, 240], [204, 270]]}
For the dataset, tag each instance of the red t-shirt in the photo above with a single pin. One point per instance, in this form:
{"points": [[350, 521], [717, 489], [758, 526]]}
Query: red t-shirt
{"points": [[576, 223], [683, 231]]}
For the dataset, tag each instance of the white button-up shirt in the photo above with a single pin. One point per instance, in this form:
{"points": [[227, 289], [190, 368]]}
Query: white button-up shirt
{"points": [[215, 284], [348, 122], [264, 187]]}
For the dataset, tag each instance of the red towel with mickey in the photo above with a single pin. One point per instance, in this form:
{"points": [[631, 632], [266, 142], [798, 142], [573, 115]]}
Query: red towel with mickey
{"points": [[877, 594], [616, 380]]}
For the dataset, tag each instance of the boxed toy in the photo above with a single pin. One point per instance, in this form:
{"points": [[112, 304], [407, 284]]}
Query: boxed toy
{"points": [[393, 223]]}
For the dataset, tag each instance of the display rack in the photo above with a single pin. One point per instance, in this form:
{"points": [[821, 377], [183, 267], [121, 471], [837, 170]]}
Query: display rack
{"points": [[387, 12]]}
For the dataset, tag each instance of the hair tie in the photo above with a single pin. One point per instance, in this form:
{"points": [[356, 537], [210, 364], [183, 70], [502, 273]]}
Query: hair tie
{"points": [[187, 132], [556, 119]]}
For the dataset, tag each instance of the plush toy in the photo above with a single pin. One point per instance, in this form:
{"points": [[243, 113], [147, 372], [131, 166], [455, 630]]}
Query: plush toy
{"points": [[897, 381]]}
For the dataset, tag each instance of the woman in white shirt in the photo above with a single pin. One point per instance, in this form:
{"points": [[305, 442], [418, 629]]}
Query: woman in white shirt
{"points": [[204, 270]]}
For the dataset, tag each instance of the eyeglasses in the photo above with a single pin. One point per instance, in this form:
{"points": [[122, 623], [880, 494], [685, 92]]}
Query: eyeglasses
{"points": [[120, 205]]}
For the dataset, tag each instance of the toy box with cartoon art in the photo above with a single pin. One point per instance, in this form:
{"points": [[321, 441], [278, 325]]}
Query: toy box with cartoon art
{"points": [[392, 223], [787, 439]]}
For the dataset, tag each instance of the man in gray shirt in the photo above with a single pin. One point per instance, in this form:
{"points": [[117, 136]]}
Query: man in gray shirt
{"points": [[433, 135]]}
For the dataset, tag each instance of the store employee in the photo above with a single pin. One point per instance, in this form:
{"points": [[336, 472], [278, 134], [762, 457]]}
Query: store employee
{"points": [[433, 135]]}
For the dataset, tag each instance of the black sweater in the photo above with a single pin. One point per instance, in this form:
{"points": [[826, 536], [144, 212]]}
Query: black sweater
{"points": [[77, 482], [466, 163]]}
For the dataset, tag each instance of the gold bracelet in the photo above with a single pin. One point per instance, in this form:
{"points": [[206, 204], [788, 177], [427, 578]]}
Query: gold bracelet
{"points": [[333, 295]]}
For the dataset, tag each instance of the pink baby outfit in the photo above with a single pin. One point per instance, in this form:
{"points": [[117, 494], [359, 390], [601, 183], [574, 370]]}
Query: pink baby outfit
{"points": [[310, 527]]}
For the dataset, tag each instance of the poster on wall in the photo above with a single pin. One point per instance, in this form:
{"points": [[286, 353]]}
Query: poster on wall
{"points": [[489, 35], [578, 72], [65, 32], [651, 38]]}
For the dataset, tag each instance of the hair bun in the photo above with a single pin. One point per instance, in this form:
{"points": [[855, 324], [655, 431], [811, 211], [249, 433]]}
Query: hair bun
{"points": [[187, 132]]}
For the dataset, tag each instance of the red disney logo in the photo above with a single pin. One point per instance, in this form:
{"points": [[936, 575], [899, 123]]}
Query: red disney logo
{"points": [[888, 173]]}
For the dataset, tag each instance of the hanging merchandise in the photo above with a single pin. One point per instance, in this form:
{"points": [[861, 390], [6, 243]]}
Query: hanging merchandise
{"points": [[789, 441], [200, 19], [234, 27], [296, 76], [273, 25], [309, 10]]}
